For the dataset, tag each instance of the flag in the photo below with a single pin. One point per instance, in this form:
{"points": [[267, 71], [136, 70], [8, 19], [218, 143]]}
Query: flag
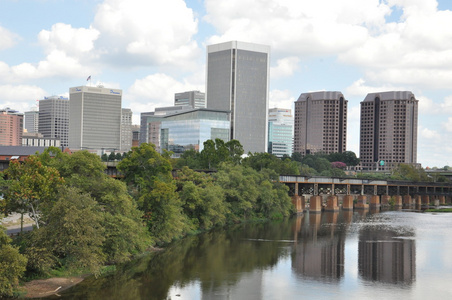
{"points": [[89, 78]]}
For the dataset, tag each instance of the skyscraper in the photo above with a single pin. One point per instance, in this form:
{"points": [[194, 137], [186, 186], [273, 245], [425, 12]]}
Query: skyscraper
{"points": [[11, 127], [388, 133], [194, 99], [31, 120], [320, 123], [126, 130], [54, 118], [95, 118], [280, 131], [237, 81]]}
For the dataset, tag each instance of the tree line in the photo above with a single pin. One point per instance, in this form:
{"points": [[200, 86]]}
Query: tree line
{"points": [[84, 219]]}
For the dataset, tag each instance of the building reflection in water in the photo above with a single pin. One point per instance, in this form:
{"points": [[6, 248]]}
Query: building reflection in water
{"points": [[319, 248], [385, 256]]}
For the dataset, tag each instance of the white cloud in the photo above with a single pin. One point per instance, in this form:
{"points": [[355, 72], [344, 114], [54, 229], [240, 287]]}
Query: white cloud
{"points": [[426, 133], [281, 99], [68, 53], [415, 51], [446, 106], [7, 38], [19, 97], [147, 32], [361, 89], [297, 27], [73, 41], [156, 90], [448, 124], [285, 67]]}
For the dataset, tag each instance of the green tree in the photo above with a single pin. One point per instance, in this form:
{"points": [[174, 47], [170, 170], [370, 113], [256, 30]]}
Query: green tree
{"points": [[12, 265], [32, 187], [112, 156], [260, 161], [73, 235], [104, 157], [203, 201], [149, 175], [124, 231]]}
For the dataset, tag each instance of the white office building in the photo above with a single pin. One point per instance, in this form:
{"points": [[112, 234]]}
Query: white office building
{"points": [[95, 118]]}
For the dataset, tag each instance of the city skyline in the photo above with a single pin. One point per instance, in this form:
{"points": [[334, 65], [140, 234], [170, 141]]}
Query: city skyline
{"points": [[152, 50]]}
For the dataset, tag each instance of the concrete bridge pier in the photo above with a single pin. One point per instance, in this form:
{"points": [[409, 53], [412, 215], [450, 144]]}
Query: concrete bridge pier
{"points": [[347, 202], [375, 201], [315, 204], [418, 200], [362, 202], [425, 200], [331, 204], [385, 200], [298, 203], [407, 201], [397, 201]]}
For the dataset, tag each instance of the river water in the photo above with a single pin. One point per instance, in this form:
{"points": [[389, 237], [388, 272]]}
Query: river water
{"points": [[344, 255]]}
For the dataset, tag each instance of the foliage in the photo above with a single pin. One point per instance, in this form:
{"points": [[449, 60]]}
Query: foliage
{"points": [[409, 173], [32, 187], [347, 157], [217, 151], [338, 164], [260, 161], [214, 152], [12, 265], [252, 194], [149, 175], [203, 202], [73, 234], [125, 234]]}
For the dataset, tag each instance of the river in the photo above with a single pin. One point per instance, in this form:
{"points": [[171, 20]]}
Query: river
{"points": [[344, 255]]}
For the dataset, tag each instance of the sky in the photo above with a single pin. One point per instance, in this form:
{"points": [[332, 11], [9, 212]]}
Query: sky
{"points": [[153, 49]]}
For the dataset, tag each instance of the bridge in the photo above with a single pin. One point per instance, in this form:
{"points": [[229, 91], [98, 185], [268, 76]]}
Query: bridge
{"points": [[329, 194]]}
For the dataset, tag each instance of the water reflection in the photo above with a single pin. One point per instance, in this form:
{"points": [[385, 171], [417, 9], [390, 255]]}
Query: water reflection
{"points": [[319, 251], [340, 255], [386, 254]]}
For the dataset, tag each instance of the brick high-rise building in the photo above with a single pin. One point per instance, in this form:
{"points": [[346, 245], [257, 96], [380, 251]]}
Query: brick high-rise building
{"points": [[11, 127], [388, 136], [320, 123]]}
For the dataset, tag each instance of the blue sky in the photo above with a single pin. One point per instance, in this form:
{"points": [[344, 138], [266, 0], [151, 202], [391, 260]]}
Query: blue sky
{"points": [[153, 49]]}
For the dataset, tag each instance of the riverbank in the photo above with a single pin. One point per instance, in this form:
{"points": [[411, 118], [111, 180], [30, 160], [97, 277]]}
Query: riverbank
{"points": [[51, 286]]}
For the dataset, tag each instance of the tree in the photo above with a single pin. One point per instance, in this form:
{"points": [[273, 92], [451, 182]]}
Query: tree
{"points": [[73, 233], [203, 201], [149, 175], [12, 265], [118, 156], [32, 187], [104, 157], [112, 156], [125, 234], [260, 161]]}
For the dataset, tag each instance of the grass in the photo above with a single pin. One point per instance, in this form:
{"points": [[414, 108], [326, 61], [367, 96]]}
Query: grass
{"points": [[446, 210]]}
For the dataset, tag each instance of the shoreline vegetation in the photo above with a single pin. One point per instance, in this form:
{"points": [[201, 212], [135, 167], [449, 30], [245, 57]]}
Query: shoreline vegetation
{"points": [[85, 220]]}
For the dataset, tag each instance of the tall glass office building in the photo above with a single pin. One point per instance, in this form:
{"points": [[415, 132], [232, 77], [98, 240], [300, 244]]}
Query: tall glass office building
{"points": [[280, 131], [237, 81], [188, 129]]}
